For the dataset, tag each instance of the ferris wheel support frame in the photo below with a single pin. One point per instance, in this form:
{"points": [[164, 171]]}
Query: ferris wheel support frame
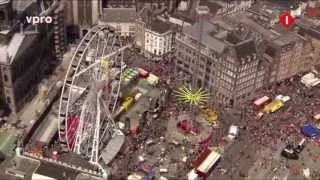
{"points": [[95, 143], [118, 90]]}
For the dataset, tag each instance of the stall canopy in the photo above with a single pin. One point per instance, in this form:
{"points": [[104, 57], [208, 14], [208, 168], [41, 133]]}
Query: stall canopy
{"points": [[310, 131]]}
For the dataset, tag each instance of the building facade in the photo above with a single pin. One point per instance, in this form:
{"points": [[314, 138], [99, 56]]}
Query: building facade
{"points": [[6, 13], [233, 7], [59, 33], [21, 64], [158, 38], [154, 36], [121, 19], [118, 4], [26, 56], [169, 5], [284, 56], [230, 70], [311, 48], [83, 14]]}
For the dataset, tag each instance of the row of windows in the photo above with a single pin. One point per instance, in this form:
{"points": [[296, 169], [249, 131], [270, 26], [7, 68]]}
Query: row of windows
{"points": [[247, 72], [247, 78], [245, 85]]}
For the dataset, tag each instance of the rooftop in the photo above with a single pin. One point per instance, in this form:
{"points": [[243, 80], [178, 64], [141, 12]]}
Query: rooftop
{"points": [[19, 164], [211, 4], [242, 18], [21, 5], [286, 39], [232, 38], [4, 1], [184, 16], [18, 44], [119, 15], [245, 49], [207, 37], [159, 26]]}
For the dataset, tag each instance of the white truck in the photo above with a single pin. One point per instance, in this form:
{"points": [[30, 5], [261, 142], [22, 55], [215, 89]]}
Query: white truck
{"points": [[233, 132]]}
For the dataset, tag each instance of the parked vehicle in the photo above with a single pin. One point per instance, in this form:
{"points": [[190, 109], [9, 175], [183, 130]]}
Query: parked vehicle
{"points": [[283, 98], [300, 146], [290, 153], [261, 102], [233, 132], [206, 162], [273, 106]]}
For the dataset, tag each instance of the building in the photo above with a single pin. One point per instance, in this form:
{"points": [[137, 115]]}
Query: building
{"points": [[311, 47], [28, 55], [158, 38], [230, 7], [224, 64], [83, 14], [265, 17], [118, 4], [169, 5], [185, 14], [181, 19], [313, 9], [21, 65], [153, 36], [144, 17], [121, 19], [284, 56], [59, 34], [6, 13]]}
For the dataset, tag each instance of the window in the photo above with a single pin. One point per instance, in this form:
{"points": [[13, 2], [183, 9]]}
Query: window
{"points": [[132, 28], [5, 78], [8, 100], [2, 16]]}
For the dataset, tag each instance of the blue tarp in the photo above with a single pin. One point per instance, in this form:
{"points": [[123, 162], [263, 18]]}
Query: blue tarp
{"points": [[310, 131]]}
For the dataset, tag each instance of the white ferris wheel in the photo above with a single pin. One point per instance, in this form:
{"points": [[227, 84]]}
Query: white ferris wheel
{"points": [[90, 93]]}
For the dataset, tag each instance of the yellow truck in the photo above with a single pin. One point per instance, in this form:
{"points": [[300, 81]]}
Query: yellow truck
{"points": [[274, 106]]}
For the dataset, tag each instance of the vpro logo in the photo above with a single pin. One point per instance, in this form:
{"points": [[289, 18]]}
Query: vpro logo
{"points": [[39, 20]]}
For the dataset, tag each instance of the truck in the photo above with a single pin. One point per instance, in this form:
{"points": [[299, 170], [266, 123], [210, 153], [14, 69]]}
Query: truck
{"points": [[206, 161], [261, 102], [274, 106]]}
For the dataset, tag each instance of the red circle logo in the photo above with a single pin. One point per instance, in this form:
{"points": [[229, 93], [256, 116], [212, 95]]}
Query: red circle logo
{"points": [[286, 19]]}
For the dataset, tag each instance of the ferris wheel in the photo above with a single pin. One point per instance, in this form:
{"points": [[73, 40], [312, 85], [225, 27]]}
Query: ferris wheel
{"points": [[90, 93]]}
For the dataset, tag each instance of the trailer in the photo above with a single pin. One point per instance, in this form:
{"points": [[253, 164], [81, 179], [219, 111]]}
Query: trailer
{"points": [[206, 161]]}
